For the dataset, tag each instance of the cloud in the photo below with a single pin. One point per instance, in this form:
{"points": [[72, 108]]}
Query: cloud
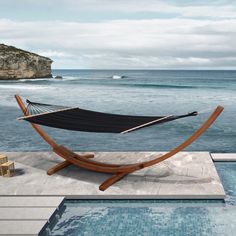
{"points": [[195, 9], [55, 54], [65, 8], [136, 44]]}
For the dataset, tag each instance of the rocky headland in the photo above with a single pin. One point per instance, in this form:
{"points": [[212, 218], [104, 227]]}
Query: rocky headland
{"points": [[16, 63]]}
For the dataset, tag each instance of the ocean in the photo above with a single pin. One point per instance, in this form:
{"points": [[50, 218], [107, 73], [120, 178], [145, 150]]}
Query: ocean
{"points": [[134, 92]]}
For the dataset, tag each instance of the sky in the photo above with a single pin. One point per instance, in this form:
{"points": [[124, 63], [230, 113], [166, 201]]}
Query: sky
{"points": [[124, 34]]}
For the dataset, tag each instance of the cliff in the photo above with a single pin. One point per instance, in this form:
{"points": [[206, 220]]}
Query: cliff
{"points": [[19, 64]]}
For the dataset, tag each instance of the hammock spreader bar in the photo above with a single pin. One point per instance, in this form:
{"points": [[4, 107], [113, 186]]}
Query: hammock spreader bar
{"points": [[78, 119]]}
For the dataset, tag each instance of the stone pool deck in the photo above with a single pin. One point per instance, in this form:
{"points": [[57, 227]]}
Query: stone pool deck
{"points": [[187, 175], [31, 199]]}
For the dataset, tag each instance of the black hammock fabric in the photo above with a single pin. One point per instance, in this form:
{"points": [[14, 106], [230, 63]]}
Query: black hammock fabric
{"points": [[91, 121]]}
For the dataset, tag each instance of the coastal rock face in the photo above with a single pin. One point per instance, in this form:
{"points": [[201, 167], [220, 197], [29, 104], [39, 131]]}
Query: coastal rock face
{"points": [[19, 64]]}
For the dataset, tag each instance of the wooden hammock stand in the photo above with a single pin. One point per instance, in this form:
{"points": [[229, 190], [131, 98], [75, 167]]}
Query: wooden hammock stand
{"points": [[118, 171]]}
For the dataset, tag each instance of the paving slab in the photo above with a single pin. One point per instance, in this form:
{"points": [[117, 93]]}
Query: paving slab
{"points": [[223, 156], [26, 228], [27, 201], [184, 176], [26, 213]]}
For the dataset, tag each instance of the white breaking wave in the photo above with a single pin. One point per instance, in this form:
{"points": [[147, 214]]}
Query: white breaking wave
{"points": [[118, 77], [34, 80], [24, 80], [22, 87], [68, 78], [48, 79]]}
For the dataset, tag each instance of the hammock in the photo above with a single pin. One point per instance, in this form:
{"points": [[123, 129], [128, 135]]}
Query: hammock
{"points": [[78, 119], [90, 121]]}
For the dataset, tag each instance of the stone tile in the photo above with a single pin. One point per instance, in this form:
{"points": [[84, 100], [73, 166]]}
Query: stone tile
{"points": [[26, 228], [26, 213], [30, 201]]}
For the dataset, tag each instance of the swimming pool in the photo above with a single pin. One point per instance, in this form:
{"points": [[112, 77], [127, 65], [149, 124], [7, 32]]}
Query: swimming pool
{"points": [[151, 217]]}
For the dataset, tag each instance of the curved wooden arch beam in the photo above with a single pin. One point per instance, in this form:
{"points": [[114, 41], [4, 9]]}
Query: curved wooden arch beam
{"points": [[190, 140], [119, 170]]}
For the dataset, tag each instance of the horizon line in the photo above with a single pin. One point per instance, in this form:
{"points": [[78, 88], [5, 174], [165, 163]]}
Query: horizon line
{"points": [[147, 69]]}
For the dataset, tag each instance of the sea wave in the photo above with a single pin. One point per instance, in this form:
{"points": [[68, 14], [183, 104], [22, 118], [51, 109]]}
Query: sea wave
{"points": [[69, 78], [17, 87], [147, 85], [40, 80], [34, 80], [164, 86], [143, 85], [118, 76]]}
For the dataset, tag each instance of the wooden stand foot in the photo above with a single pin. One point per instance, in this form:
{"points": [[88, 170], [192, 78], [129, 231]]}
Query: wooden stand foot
{"points": [[58, 167], [111, 181]]}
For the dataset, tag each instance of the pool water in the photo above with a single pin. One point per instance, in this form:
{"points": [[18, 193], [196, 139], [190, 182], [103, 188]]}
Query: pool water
{"points": [[151, 217]]}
